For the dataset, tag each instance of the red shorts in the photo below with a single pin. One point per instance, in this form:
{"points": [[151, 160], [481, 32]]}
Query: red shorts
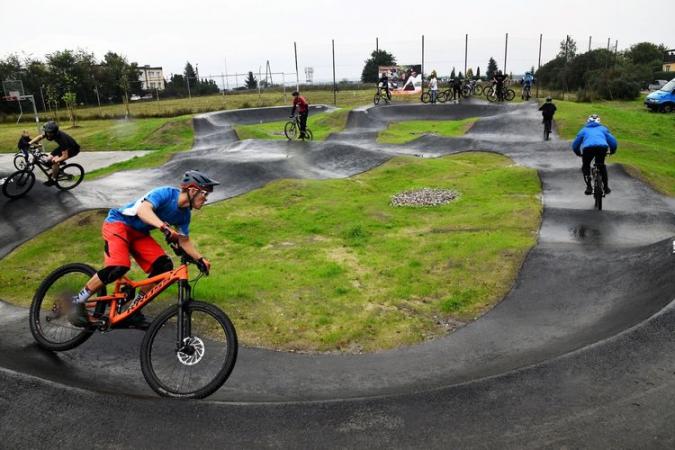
{"points": [[121, 241]]}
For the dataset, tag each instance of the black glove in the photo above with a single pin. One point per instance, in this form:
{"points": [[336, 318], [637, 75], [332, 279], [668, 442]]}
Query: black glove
{"points": [[578, 153], [204, 265], [171, 235], [611, 152]]}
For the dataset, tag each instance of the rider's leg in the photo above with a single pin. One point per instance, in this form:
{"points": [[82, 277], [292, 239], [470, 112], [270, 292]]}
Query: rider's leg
{"points": [[303, 124], [56, 162], [388, 93], [586, 159]]}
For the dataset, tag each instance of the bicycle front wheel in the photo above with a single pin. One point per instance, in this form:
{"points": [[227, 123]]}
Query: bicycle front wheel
{"points": [[376, 100], [48, 317], [426, 97], [20, 161], [18, 184], [509, 95], [290, 130], [308, 135], [196, 367], [478, 90], [69, 176]]}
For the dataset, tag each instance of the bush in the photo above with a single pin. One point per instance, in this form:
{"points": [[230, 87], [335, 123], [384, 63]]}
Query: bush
{"points": [[663, 76], [618, 89]]}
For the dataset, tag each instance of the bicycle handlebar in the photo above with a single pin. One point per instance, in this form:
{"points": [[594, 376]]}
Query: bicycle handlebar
{"points": [[185, 258]]}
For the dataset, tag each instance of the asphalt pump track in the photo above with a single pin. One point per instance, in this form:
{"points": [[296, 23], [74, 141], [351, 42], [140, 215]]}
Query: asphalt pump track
{"points": [[579, 353]]}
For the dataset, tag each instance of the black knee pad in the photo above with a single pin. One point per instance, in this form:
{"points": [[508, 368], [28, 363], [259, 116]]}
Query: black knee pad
{"points": [[111, 273], [161, 265]]}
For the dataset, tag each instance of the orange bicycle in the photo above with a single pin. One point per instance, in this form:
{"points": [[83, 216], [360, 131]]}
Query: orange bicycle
{"points": [[188, 351]]}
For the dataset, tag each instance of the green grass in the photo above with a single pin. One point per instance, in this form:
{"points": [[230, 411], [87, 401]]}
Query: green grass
{"points": [[402, 132], [330, 265], [646, 140], [321, 125], [182, 106]]}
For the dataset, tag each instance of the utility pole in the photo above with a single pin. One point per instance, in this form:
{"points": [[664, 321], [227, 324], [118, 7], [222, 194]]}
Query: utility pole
{"points": [[506, 48], [608, 40], [297, 76], [334, 85], [227, 78], [377, 45], [589, 42], [539, 62], [466, 46], [422, 74]]}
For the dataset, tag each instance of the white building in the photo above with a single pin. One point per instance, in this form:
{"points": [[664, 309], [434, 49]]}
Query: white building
{"points": [[151, 78]]}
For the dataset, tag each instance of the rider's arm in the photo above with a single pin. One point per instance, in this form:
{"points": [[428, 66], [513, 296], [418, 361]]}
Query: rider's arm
{"points": [[576, 145], [37, 139], [295, 103], [146, 213], [186, 244], [611, 141]]}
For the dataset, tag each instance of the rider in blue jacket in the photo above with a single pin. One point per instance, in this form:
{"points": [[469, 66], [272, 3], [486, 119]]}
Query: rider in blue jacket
{"points": [[593, 141]]}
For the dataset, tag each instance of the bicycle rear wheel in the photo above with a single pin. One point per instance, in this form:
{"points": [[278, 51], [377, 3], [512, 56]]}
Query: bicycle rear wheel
{"points": [[376, 99], [426, 97], [308, 135], [18, 183], [290, 130], [196, 367], [69, 176], [478, 90], [48, 317], [490, 95], [509, 94]]}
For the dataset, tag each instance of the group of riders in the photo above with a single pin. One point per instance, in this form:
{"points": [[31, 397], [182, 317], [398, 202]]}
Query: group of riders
{"points": [[457, 85], [126, 230]]}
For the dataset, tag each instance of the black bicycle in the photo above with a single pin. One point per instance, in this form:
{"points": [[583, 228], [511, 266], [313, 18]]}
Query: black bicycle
{"points": [[292, 129], [441, 96], [598, 189], [381, 96], [547, 128], [21, 182], [493, 95]]}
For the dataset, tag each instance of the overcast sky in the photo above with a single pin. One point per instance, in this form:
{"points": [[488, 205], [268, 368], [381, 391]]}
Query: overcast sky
{"points": [[241, 35]]}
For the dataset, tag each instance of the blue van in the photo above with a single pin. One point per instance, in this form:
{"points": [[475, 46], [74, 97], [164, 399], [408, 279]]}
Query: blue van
{"points": [[663, 99]]}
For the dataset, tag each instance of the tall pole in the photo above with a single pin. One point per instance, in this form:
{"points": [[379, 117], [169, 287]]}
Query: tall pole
{"points": [[422, 74], [297, 76], [608, 40], [227, 78], [44, 105], [334, 85], [259, 77], [187, 79], [377, 44], [506, 48], [567, 43], [590, 38], [466, 47], [616, 46], [539, 62]]}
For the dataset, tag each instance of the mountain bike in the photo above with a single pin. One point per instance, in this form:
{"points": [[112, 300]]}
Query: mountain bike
{"points": [[598, 189], [292, 129], [21, 182], [381, 96], [526, 93], [507, 94], [441, 96], [188, 351], [547, 128], [472, 88]]}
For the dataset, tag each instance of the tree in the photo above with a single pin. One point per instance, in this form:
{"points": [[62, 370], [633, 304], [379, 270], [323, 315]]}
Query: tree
{"points": [[70, 99], [460, 76], [469, 73], [568, 48], [377, 58], [121, 78], [190, 74], [648, 54], [491, 69], [251, 82], [478, 73]]}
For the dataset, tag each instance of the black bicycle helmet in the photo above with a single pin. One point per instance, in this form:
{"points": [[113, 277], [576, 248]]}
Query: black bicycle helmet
{"points": [[295, 93], [50, 127], [196, 179]]}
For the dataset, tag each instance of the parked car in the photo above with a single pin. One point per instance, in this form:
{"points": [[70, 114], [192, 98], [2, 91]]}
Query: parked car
{"points": [[134, 97], [662, 100], [656, 85]]}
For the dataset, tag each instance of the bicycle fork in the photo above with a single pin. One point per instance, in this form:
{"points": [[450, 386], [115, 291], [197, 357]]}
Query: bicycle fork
{"points": [[184, 328]]}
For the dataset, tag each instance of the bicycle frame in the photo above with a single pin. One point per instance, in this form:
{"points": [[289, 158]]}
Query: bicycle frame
{"points": [[164, 281], [37, 155]]}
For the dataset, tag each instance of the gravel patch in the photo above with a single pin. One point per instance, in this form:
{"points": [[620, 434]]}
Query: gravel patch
{"points": [[424, 197]]}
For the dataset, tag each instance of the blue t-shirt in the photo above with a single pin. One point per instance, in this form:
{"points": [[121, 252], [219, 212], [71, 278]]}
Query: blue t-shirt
{"points": [[164, 202]]}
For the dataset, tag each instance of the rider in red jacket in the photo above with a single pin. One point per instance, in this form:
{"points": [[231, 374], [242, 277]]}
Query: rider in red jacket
{"points": [[303, 110]]}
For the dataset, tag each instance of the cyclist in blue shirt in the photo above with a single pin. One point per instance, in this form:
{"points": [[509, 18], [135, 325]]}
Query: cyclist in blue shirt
{"points": [[593, 141], [126, 233]]}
